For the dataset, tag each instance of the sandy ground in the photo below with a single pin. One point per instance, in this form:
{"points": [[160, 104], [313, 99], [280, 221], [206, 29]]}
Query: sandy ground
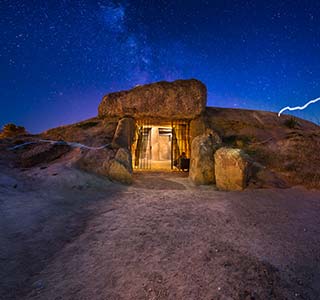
{"points": [[65, 234]]}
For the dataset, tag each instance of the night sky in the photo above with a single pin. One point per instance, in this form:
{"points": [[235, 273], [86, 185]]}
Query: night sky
{"points": [[58, 58]]}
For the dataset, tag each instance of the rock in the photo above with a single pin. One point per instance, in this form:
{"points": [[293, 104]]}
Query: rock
{"points": [[203, 148], [124, 156], [121, 167], [39, 284], [197, 127], [43, 153], [96, 161], [177, 99], [232, 168], [118, 172], [114, 164], [124, 134]]}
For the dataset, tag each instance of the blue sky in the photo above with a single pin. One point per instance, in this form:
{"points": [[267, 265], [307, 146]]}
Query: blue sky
{"points": [[58, 58]]}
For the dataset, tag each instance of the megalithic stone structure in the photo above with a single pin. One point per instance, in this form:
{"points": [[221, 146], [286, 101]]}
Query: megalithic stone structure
{"points": [[180, 99]]}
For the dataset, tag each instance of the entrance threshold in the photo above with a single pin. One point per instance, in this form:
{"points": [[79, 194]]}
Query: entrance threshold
{"points": [[159, 146]]}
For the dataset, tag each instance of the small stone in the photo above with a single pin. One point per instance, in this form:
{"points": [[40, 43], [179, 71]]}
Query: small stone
{"points": [[39, 284]]}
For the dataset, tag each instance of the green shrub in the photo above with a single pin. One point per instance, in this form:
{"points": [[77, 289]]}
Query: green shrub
{"points": [[87, 125], [229, 140], [239, 141], [291, 123]]}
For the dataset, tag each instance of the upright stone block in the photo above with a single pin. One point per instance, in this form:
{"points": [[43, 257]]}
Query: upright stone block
{"points": [[231, 169], [203, 148], [124, 134]]}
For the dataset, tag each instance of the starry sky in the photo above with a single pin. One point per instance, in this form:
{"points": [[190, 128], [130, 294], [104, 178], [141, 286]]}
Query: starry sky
{"points": [[58, 58]]}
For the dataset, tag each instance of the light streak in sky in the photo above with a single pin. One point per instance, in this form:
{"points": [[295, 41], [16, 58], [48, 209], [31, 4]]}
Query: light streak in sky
{"points": [[298, 107]]}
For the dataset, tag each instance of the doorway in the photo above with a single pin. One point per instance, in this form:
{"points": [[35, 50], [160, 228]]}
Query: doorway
{"points": [[158, 145]]}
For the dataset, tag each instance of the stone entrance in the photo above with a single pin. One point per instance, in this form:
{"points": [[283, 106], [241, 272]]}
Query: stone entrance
{"points": [[158, 145], [156, 125], [165, 126]]}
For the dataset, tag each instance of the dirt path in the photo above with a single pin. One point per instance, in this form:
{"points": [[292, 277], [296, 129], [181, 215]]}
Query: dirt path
{"points": [[75, 236]]}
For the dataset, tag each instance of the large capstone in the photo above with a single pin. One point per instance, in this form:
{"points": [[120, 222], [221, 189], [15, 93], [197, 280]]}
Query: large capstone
{"points": [[178, 99]]}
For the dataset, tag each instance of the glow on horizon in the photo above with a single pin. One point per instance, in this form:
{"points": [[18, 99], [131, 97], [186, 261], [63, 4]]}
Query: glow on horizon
{"points": [[298, 107]]}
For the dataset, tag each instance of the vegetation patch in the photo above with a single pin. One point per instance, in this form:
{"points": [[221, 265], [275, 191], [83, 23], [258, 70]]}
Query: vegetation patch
{"points": [[291, 123], [87, 125], [239, 141], [12, 130]]}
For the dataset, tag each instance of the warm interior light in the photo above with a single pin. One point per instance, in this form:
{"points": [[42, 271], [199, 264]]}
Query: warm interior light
{"points": [[157, 147]]}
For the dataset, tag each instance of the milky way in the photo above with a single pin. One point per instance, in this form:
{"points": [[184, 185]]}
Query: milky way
{"points": [[58, 58]]}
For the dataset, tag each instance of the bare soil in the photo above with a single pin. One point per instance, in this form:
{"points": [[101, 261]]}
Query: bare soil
{"points": [[66, 234]]}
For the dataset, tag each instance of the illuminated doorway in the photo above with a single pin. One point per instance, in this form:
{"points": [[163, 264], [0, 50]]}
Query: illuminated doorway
{"points": [[159, 145]]}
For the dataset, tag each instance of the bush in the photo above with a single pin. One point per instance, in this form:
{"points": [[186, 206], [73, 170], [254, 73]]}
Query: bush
{"points": [[291, 123], [87, 125], [239, 141], [11, 130]]}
